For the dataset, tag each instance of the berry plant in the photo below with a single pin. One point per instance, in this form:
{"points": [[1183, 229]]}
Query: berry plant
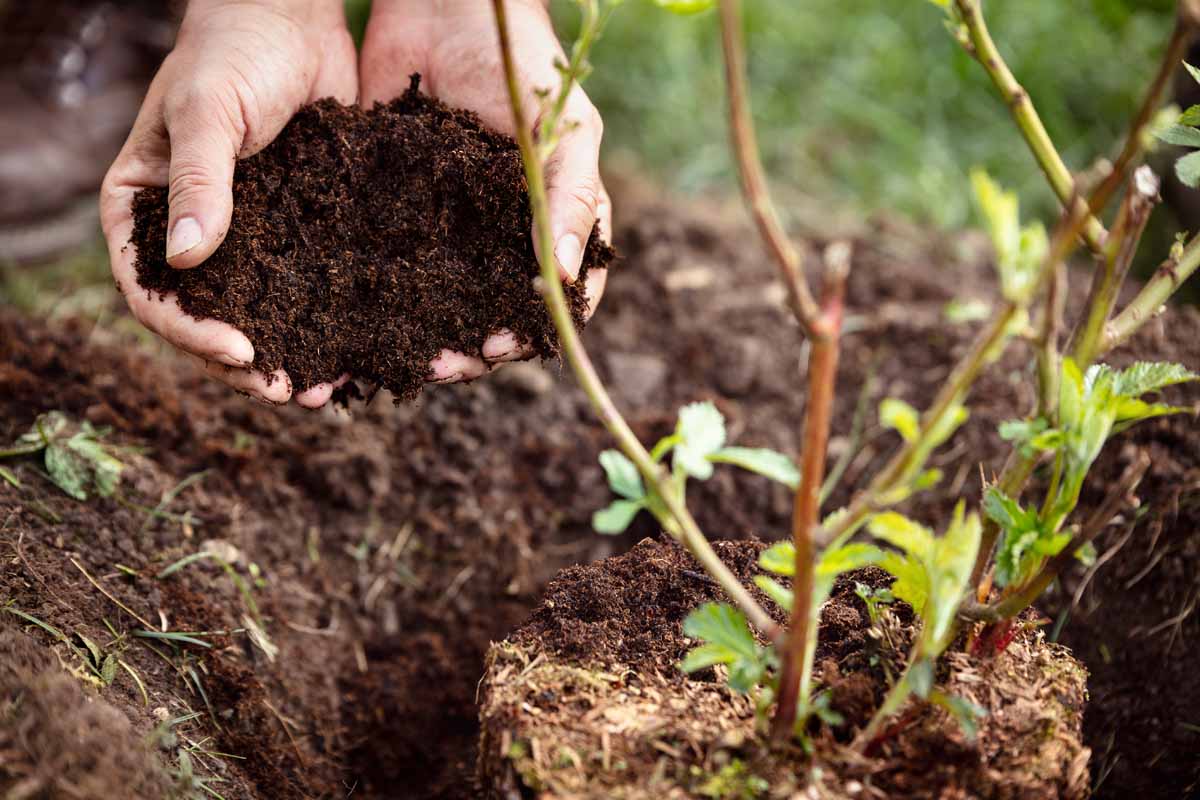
{"points": [[987, 565]]}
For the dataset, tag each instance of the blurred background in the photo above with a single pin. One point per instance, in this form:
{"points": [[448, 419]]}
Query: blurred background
{"points": [[864, 106]]}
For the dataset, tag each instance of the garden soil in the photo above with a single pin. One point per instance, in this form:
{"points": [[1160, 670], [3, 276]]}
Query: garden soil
{"points": [[363, 242], [385, 552]]}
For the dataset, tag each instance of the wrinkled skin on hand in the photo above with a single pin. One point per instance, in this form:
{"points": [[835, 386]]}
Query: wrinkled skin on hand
{"points": [[239, 72]]}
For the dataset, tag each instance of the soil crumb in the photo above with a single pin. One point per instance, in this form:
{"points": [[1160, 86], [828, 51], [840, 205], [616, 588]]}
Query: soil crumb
{"points": [[363, 242]]}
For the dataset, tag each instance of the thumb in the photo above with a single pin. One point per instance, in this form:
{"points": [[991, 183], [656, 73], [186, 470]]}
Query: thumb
{"points": [[573, 189], [205, 142]]}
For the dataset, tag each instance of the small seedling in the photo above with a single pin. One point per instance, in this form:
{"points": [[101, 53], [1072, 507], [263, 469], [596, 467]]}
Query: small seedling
{"points": [[75, 458]]}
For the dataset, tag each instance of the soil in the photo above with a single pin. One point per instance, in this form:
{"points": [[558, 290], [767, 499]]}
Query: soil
{"points": [[395, 546], [363, 242], [585, 701]]}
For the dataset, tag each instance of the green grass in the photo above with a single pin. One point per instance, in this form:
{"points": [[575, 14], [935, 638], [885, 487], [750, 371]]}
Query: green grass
{"points": [[872, 105]]}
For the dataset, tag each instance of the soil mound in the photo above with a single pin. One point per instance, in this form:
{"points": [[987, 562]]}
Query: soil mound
{"points": [[366, 241]]}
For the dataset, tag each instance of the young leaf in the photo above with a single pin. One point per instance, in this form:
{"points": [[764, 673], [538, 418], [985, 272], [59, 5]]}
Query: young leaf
{"points": [[622, 475], [701, 431], [1150, 376], [1181, 136], [10, 477], [900, 417], [779, 558], [920, 677], [1195, 73], [1191, 117], [767, 463], [776, 591], [903, 534], [616, 516], [727, 640], [67, 470], [1188, 168]]}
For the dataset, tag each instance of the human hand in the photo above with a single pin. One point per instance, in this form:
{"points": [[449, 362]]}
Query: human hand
{"points": [[453, 44], [239, 71]]}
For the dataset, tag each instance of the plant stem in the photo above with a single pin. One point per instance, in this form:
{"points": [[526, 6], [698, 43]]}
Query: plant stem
{"points": [[822, 375], [1026, 117], [892, 703], [753, 178], [23, 450], [1048, 359], [1119, 250], [1173, 54], [1018, 601], [1149, 301], [688, 533]]}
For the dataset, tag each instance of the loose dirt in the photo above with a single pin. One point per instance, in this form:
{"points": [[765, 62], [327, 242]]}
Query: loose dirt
{"points": [[363, 242], [394, 548]]}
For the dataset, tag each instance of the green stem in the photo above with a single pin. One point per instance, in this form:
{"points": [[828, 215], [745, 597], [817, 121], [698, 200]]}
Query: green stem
{"points": [[23, 450], [688, 532], [1149, 302], [1026, 117]]}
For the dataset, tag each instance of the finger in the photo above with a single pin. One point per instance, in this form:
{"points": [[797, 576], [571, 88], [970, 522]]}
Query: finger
{"points": [[319, 395], [336, 73], [573, 184], [593, 290], [206, 134], [390, 53], [209, 339], [505, 346], [451, 367], [275, 389]]}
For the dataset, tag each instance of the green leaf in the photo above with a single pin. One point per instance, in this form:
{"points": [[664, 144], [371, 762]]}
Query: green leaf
{"points": [[1086, 554], [108, 669], [727, 640], [685, 7], [767, 463], [1191, 117], [901, 532], [900, 417], [723, 625], [1188, 168], [1150, 376], [623, 476], [776, 591], [616, 516], [67, 470], [701, 431], [1019, 250], [93, 649], [920, 677], [847, 558], [105, 470], [911, 582], [960, 311], [1181, 136], [1195, 73], [779, 558]]}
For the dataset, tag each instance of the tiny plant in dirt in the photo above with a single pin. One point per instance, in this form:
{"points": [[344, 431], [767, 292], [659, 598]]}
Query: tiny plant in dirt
{"points": [[969, 579], [75, 457]]}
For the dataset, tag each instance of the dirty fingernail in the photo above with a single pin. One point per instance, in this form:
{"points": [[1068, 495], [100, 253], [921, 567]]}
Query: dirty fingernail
{"points": [[569, 252], [185, 235], [500, 346], [232, 361]]}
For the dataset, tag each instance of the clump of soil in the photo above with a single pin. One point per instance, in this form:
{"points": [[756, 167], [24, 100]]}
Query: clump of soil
{"points": [[586, 701], [364, 242]]}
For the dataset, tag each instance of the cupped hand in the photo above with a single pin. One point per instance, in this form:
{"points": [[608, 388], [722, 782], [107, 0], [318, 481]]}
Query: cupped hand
{"points": [[453, 44], [239, 71]]}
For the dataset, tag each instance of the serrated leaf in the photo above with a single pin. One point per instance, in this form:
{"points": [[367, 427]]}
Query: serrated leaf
{"points": [[779, 558], [1195, 73], [902, 533], [705, 656], [900, 417], [847, 558], [1181, 136], [911, 582], [616, 516], [1150, 376], [1188, 168], [721, 624], [623, 476], [776, 591], [685, 7], [761, 460]]}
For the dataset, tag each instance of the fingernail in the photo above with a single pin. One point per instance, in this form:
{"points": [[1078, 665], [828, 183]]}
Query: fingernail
{"points": [[569, 252], [233, 361], [185, 235], [455, 378]]}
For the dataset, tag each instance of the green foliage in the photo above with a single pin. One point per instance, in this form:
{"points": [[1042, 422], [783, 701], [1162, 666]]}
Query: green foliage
{"points": [[1092, 406], [1184, 134], [931, 572], [1019, 250], [75, 458], [697, 443], [900, 417], [685, 7], [734, 781], [873, 598], [727, 640]]}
